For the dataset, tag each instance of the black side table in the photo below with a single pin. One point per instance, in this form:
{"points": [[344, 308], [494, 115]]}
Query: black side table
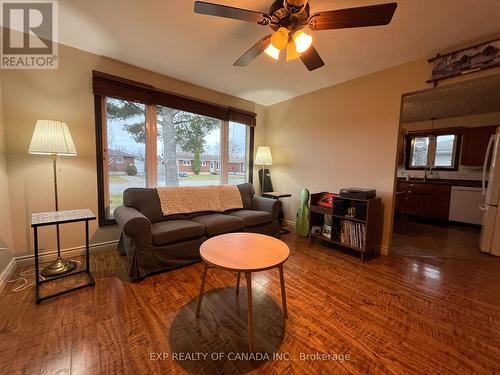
{"points": [[42, 219], [277, 195]]}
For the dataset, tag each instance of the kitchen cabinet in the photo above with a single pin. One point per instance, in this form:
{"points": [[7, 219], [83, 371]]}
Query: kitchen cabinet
{"points": [[474, 146], [426, 200]]}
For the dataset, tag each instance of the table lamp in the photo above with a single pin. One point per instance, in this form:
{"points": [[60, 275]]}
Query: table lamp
{"points": [[264, 158], [53, 138]]}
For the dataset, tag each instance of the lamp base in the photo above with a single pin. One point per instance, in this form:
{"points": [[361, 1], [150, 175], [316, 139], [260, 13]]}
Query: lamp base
{"points": [[59, 267]]}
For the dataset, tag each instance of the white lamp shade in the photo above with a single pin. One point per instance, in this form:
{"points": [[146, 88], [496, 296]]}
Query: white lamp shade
{"points": [[52, 138], [263, 156]]}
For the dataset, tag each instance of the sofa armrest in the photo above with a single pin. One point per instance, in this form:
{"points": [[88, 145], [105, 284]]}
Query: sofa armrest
{"points": [[133, 224], [273, 206]]}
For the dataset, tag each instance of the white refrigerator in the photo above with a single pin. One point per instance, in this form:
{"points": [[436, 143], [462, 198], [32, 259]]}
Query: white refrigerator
{"points": [[490, 232]]}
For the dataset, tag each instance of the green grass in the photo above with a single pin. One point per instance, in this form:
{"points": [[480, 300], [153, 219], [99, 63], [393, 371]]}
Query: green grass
{"points": [[116, 200], [211, 177], [114, 178], [203, 177]]}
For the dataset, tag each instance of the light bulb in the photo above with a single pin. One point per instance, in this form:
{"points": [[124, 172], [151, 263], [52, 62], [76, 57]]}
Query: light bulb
{"points": [[302, 41], [272, 52], [291, 51], [279, 38]]}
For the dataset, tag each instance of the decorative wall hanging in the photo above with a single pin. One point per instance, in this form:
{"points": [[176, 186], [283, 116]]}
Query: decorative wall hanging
{"points": [[465, 61]]}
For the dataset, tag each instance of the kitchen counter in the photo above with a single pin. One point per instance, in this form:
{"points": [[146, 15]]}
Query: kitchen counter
{"points": [[442, 181]]}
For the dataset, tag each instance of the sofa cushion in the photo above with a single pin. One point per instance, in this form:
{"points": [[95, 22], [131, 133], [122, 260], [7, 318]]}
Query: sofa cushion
{"points": [[170, 231], [247, 192], [252, 218], [216, 224]]}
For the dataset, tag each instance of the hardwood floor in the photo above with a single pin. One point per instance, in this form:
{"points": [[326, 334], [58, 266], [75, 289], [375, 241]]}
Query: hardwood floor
{"points": [[390, 315], [451, 241]]}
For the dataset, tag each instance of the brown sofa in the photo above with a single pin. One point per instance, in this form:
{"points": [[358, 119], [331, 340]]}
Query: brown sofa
{"points": [[155, 243]]}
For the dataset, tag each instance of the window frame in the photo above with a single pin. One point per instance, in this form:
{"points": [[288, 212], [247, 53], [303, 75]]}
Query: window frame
{"points": [[431, 154], [100, 107]]}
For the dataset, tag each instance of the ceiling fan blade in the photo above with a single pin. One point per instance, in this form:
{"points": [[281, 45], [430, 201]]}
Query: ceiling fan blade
{"points": [[373, 15], [202, 7], [311, 59], [254, 52]]}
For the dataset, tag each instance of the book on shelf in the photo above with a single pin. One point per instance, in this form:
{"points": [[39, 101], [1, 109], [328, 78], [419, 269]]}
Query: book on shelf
{"points": [[352, 234]]}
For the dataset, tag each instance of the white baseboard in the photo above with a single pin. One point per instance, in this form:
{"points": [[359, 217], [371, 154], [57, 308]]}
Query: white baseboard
{"points": [[70, 252], [290, 223], [7, 272]]}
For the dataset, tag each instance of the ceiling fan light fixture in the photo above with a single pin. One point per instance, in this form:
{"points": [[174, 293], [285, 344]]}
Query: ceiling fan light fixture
{"points": [[291, 51], [272, 51], [302, 41], [279, 39]]}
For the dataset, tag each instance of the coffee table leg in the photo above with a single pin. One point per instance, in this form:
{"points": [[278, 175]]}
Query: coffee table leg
{"points": [[248, 277], [202, 288], [238, 283], [283, 294]]}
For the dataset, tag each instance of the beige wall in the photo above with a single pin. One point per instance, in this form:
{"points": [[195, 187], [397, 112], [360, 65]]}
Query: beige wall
{"points": [[259, 141], [5, 219], [66, 94]]}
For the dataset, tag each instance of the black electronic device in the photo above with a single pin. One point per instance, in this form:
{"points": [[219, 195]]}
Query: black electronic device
{"points": [[358, 193]]}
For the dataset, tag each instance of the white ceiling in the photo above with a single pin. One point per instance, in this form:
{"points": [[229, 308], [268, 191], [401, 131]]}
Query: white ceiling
{"points": [[166, 36]]}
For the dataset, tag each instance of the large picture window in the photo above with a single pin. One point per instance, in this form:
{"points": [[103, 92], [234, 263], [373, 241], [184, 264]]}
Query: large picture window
{"points": [[144, 144]]}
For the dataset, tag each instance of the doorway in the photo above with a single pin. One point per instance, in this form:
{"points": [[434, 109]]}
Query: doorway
{"points": [[443, 143]]}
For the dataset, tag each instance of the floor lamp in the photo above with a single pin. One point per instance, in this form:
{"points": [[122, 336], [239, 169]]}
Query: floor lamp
{"points": [[264, 158], [53, 138]]}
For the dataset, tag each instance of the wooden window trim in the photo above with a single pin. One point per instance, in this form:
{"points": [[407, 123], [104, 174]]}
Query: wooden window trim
{"points": [[451, 131], [117, 87], [102, 161], [224, 156], [151, 162]]}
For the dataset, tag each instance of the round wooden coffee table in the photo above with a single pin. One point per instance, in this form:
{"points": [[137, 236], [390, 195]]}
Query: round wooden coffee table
{"points": [[247, 253]]}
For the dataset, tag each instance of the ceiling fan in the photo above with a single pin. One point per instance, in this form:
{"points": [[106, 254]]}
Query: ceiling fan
{"points": [[287, 18]]}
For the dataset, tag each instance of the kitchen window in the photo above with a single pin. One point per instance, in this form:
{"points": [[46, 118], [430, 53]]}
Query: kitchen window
{"points": [[438, 150], [163, 145]]}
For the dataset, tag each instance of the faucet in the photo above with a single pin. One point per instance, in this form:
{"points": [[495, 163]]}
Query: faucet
{"points": [[429, 168]]}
